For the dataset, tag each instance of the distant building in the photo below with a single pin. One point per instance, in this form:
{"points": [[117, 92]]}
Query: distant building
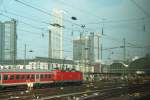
{"points": [[94, 47], [117, 68], [8, 41], [80, 49], [140, 65], [56, 36], [39, 63], [86, 49], [1, 40]]}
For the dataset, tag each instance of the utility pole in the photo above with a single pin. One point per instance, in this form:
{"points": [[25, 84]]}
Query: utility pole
{"points": [[98, 46], [101, 52], [102, 46], [25, 55], [101, 58], [49, 45], [124, 49], [81, 42], [83, 49], [124, 53], [72, 34]]}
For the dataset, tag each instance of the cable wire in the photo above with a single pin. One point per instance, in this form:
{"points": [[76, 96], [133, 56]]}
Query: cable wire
{"points": [[139, 7], [43, 11]]}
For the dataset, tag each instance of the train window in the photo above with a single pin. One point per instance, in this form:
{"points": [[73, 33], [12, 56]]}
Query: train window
{"points": [[46, 76], [41, 75], [28, 76], [49, 75], [37, 76], [32, 77], [23, 77], [11, 77], [5, 77], [17, 77]]}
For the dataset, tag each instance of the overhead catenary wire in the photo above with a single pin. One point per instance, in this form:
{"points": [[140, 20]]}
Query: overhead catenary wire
{"points": [[146, 46], [25, 17], [140, 8], [76, 30], [117, 40], [34, 20], [81, 10], [131, 20], [80, 25], [27, 31], [128, 46], [67, 39], [43, 11], [33, 26], [30, 32], [106, 21]]}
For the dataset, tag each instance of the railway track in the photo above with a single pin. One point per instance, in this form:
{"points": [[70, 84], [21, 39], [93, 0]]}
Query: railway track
{"points": [[82, 95], [138, 91], [101, 94], [43, 92], [83, 92], [58, 96], [56, 92]]}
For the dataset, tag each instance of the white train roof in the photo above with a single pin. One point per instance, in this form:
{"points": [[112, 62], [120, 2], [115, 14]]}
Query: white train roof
{"points": [[24, 70]]}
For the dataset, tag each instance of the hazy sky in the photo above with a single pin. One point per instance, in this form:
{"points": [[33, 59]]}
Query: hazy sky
{"points": [[120, 18]]}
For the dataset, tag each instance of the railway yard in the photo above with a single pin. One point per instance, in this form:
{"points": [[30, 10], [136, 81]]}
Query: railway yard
{"points": [[99, 90]]}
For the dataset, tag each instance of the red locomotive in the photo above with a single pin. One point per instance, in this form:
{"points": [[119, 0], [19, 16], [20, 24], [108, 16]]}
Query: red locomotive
{"points": [[38, 77]]}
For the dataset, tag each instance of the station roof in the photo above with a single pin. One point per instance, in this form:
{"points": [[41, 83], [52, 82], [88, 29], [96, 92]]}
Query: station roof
{"points": [[141, 63], [120, 65]]}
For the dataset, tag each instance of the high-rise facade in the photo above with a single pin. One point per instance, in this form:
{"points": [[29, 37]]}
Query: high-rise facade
{"points": [[8, 41], [87, 49], [56, 36], [80, 49], [94, 47], [1, 40]]}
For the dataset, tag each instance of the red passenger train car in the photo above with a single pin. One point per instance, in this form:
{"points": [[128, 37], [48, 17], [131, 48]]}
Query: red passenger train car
{"points": [[38, 77]]}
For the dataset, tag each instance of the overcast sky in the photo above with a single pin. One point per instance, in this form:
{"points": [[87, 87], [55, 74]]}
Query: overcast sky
{"points": [[120, 18]]}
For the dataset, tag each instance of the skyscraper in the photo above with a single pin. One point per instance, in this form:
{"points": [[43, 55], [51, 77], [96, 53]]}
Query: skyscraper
{"points": [[56, 36], [86, 48], [79, 49], [1, 40], [94, 47], [8, 41]]}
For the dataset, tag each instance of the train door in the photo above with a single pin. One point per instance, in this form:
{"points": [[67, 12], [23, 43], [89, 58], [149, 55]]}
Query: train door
{"points": [[37, 78]]}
